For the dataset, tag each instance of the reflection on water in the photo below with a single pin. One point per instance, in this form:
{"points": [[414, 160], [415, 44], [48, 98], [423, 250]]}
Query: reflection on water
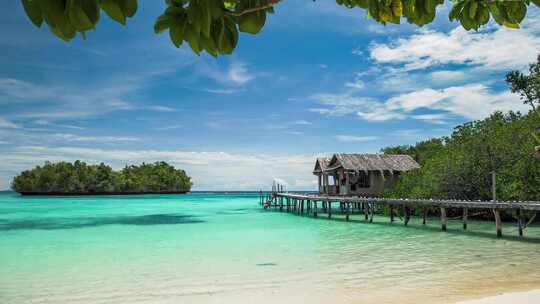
{"points": [[85, 222]]}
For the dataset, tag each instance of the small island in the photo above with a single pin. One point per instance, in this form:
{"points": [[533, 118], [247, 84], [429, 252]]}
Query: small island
{"points": [[79, 178]]}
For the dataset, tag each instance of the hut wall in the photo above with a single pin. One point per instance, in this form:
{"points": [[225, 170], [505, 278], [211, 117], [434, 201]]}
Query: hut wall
{"points": [[377, 185]]}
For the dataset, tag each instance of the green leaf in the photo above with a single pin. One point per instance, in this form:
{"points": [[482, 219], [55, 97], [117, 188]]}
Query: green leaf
{"points": [[516, 11], [483, 14], [252, 23], [206, 18], [192, 37], [209, 45], [496, 13], [91, 9], [176, 32], [33, 11], [472, 9], [78, 17], [114, 10], [129, 7], [163, 22], [456, 11]]}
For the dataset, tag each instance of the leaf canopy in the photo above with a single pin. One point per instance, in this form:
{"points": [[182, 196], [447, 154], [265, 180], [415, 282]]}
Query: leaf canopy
{"points": [[213, 26]]}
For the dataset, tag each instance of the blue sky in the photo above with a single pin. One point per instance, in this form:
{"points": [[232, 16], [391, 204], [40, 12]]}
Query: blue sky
{"points": [[318, 79]]}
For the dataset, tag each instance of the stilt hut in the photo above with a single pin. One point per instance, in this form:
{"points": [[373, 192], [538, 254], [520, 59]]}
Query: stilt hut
{"points": [[361, 174]]}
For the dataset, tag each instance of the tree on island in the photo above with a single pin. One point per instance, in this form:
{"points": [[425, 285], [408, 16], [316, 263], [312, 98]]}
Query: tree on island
{"points": [[528, 87], [459, 166], [213, 25], [81, 178]]}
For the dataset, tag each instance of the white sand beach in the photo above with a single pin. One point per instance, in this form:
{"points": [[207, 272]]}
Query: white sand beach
{"points": [[524, 297]]}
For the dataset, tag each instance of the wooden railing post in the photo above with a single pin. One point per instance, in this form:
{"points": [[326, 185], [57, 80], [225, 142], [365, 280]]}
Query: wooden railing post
{"points": [[407, 215], [520, 222], [465, 217], [329, 206], [444, 220], [498, 222]]}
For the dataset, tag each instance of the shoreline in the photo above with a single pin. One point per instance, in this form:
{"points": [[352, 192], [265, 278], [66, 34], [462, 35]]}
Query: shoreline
{"points": [[97, 193], [513, 297]]}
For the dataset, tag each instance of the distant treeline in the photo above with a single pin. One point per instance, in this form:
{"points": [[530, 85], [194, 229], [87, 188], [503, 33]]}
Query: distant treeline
{"points": [[81, 178], [460, 166]]}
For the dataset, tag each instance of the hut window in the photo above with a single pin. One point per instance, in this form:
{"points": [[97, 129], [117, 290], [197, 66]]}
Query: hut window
{"points": [[363, 180]]}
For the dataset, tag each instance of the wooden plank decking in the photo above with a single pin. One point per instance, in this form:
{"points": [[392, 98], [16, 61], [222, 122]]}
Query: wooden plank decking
{"points": [[348, 205]]}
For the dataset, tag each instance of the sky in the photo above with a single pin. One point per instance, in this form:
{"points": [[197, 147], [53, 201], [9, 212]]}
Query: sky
{"points": [[319, 79]]}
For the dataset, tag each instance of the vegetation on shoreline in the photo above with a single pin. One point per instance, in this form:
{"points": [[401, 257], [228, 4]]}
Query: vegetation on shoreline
{"points": [[460, 166], [81, 178]]}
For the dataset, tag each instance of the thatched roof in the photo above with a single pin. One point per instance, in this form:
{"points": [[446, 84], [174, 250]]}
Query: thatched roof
{"points": [[321, 164], [371, 162]]}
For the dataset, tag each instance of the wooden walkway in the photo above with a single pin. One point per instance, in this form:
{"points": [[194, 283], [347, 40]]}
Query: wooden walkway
{"points": [[348, 205]]}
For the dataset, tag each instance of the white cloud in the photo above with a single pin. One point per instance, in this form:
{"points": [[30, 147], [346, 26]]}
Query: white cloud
{"points": [[355, 138], [473, 101], [43, 122], [499, 49], [343, 104], [222, 91], [239, 74], [432, 118], [171, 127], [357, 84], [160, 109], [209, 170], [82, 138], [6, 124], [11, 89], [447, 75]]}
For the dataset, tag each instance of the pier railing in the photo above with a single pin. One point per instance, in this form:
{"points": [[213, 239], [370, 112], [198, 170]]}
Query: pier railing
{"points": [[348, 205]]}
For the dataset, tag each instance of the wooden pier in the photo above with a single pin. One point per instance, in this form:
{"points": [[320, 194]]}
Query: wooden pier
{"points": [[314, 204]]}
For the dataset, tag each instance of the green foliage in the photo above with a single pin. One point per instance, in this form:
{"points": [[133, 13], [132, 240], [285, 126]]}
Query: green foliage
{"points": [[78, 177], [211, 25], [528, 87], [214, 25], [460, 166], [66, 18]]}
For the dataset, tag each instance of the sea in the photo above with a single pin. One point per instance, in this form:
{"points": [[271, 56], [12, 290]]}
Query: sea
{"points": [[224, 247]]}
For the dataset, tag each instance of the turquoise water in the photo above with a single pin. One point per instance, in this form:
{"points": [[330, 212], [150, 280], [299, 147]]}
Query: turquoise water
{"points": [[222, 248]]}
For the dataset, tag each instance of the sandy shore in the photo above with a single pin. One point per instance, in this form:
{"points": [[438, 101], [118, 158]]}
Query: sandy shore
{"points": [[525, 297]]}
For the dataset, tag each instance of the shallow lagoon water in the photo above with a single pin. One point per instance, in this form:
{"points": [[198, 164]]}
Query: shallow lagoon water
{"points": [[222, 248]]}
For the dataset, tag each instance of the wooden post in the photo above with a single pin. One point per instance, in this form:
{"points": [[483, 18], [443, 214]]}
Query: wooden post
{"points": [[329, 206], [424, 216], [365, 207], [407, 215], [347, 212], [443, 219], [302, 206], [465, 217], [498, 223], [288, 204], [315, 209], [520, 222], [372, 211], [391, 213]]}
